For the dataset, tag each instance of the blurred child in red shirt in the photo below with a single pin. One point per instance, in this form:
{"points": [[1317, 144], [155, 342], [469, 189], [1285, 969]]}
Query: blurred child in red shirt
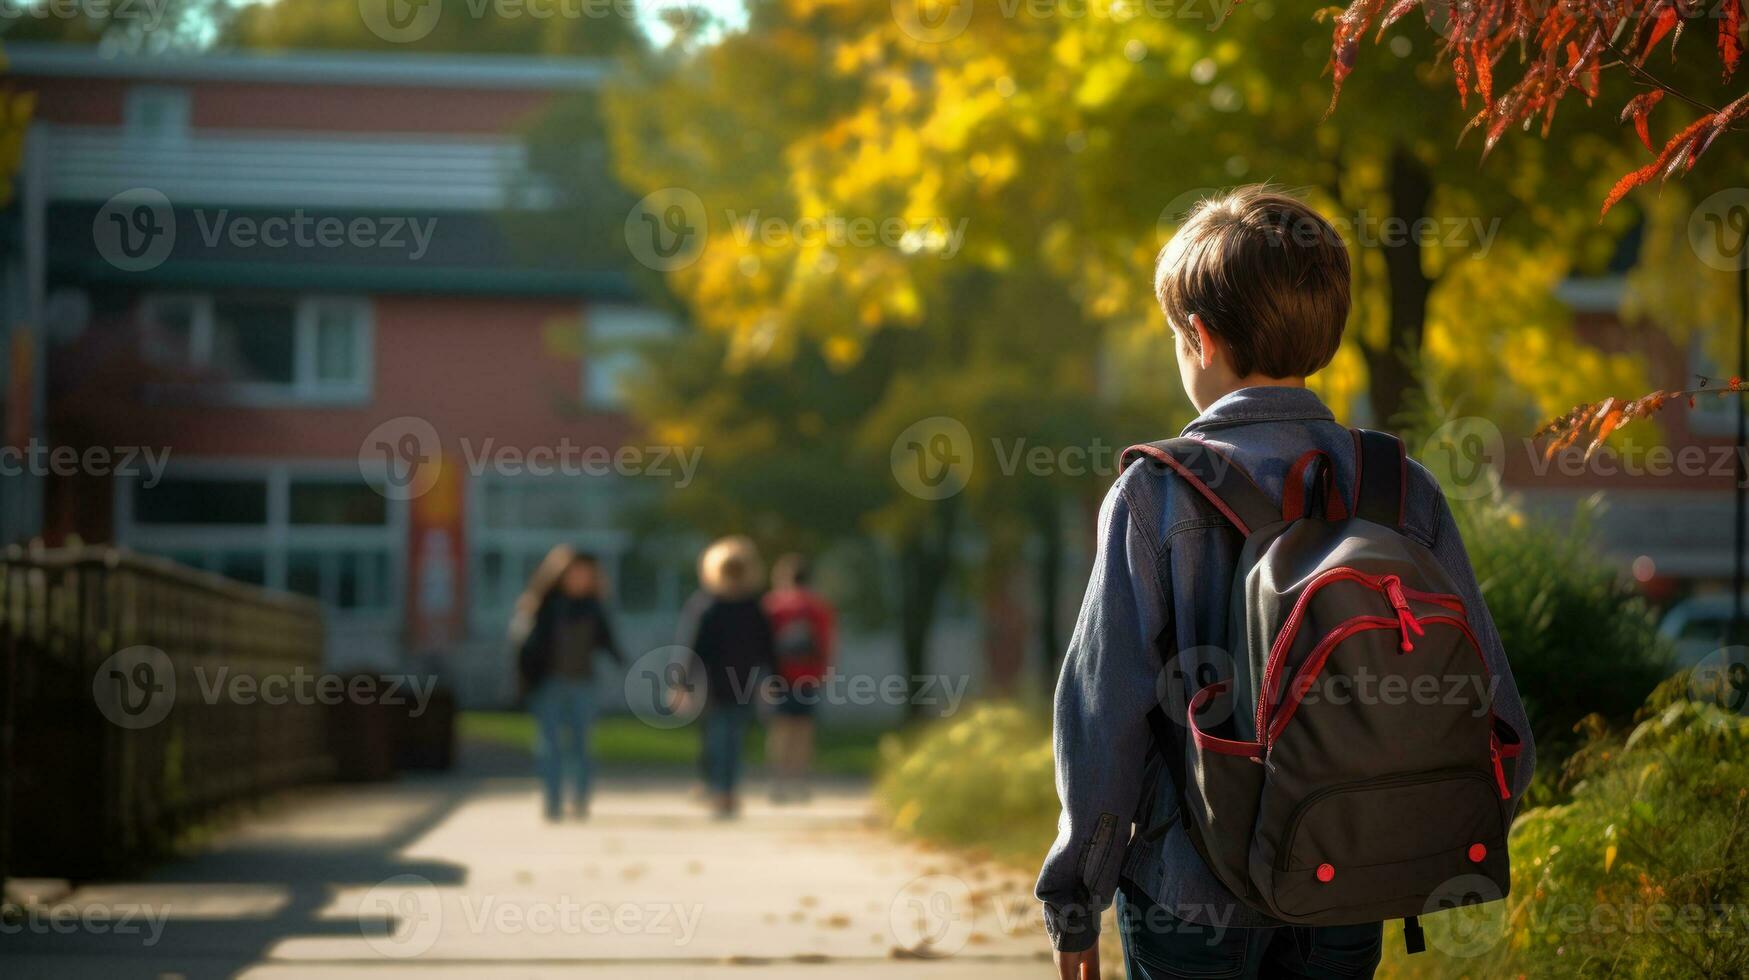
{"points": [[802, 623]]}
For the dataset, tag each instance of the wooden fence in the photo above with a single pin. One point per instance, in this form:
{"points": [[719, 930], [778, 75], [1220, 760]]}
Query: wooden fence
{"points": [[130, 705]]}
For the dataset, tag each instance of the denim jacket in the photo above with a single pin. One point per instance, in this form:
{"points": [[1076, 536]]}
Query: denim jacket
{"points": [[1162, 575]]}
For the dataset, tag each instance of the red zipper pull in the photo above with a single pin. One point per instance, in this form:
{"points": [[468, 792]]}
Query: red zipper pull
{"points": [[1499, 769], [1406, 620]]}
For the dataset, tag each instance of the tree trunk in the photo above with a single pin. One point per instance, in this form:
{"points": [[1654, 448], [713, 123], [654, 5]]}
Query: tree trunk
{"points": [[1050, 568], [1394, 371], [925, 559], [1005, 626]]}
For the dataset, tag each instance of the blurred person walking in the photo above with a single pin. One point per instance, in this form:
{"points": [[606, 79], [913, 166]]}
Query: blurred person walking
{"points": [[559, 628], [724, 625], [802, 623]]}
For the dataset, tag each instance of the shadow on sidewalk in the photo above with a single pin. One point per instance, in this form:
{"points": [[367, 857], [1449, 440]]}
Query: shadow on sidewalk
{"points": [[269, 879]]}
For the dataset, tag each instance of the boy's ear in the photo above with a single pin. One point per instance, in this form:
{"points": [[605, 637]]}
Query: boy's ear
{"points": [[1205, 341]]}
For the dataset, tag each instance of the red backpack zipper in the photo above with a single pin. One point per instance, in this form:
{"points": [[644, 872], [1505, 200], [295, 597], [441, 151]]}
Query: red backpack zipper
{"points": [[1290, 628], [1270, 726]]}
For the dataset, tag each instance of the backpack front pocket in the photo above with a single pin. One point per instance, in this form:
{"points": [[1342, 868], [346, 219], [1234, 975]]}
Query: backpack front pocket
{"points": [[1223, 783], [1379, 848]]}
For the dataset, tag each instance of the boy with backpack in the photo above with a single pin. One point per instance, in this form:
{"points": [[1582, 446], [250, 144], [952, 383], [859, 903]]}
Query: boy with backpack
{"points": [[1285, 714]]}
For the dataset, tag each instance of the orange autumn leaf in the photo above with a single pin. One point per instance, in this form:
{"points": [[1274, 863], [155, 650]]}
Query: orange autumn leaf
{"points": [[1611, 420], [1600, 419], [1673, 150], [1554, 50], [1639, 109], [1730, 37]]}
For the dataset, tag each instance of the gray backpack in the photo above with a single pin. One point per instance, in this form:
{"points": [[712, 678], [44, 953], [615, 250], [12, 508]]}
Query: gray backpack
{"points": [[1344, 765]]}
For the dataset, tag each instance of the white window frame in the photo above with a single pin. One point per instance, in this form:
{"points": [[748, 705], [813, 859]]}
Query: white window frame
{"points": [[277, 537], [178, 109], [607, 537], [615, 322], [1712, 415], [305, 388]]}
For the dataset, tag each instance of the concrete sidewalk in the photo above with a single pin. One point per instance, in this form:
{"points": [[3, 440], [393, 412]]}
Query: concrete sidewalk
{"points": [[459, 877]]}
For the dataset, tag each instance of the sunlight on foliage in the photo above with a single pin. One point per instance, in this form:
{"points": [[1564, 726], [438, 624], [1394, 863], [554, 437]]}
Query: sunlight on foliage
{"points": [[1030, 154], [982, 779]]}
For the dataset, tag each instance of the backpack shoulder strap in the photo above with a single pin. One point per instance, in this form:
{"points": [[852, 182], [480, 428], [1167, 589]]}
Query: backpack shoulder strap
{"points": [[1381, 475], [1212, 474]]}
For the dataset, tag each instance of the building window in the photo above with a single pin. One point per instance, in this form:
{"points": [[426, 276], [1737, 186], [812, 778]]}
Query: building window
{"points": [[202, 502], [1711, 415], [337, 503], [271, 350], [156, 113], [317, 530], [614, 334], [344, 579], [514, 521]]}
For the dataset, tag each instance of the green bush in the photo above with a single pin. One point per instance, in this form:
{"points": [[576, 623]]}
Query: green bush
{"points": [[981, 780], [1643, 874], [1580, 638]]}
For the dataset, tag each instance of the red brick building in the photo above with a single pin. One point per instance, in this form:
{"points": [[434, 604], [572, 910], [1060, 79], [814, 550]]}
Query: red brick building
{"points": [[251, 263]]}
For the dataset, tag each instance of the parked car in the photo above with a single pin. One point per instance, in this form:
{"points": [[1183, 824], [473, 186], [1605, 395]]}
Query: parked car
{"points": [[1696, 626]]}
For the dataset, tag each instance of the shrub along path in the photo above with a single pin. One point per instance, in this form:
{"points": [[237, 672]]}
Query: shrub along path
{"points": [[457, 876]]}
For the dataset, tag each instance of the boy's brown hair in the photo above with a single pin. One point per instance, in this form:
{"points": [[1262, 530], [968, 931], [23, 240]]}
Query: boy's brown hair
{"points": [[1268, 275]]}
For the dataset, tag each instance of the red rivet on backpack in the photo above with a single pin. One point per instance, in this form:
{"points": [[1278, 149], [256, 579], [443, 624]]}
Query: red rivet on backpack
{"points": [[1478, 852], [1326, 872]]}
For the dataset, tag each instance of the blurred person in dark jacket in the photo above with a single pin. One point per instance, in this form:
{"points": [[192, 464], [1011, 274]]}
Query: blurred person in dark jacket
{"points": [[560, 627], [725, 627]]}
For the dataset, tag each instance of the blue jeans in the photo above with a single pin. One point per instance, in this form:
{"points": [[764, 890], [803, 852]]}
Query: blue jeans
{"points": [[725, 735], [563, 711], [1158, 945]]}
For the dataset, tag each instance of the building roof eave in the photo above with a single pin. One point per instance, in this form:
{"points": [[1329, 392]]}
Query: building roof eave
{"points": [[186, 274], [390, 68]]}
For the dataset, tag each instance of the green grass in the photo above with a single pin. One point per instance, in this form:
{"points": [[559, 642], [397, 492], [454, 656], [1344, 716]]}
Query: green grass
{"points": [[624, 741]]}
